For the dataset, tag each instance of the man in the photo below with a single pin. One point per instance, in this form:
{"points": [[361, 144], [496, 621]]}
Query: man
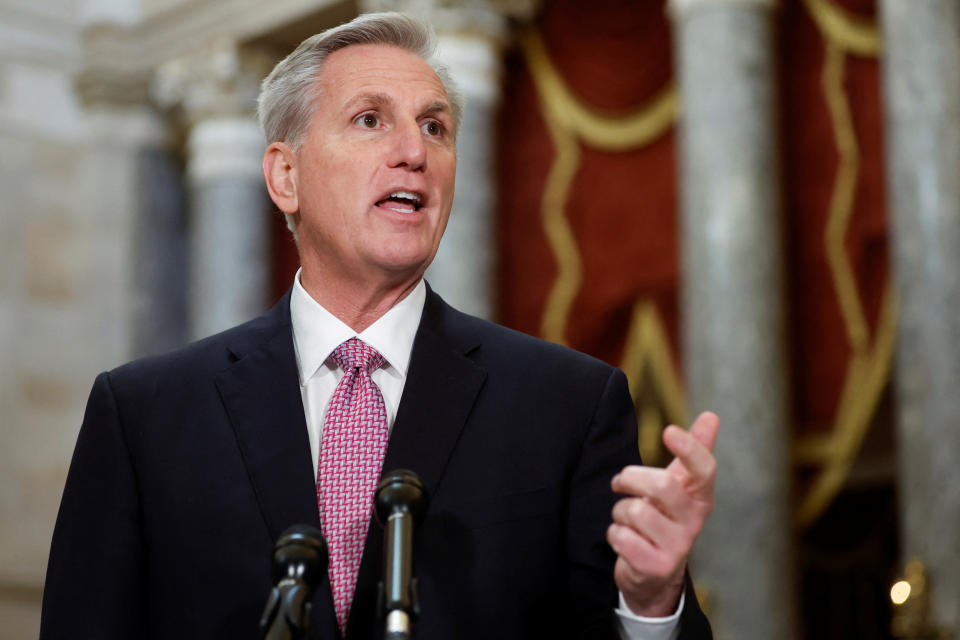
{"points": [[188, 466]]}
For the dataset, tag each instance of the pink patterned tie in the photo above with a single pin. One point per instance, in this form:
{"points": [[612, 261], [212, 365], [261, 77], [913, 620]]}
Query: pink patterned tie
{"points": [[352, 446]]}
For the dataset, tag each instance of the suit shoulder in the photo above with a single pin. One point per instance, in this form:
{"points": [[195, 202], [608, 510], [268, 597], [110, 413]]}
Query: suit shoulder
{"points": [[500, 343], [203, 358]]}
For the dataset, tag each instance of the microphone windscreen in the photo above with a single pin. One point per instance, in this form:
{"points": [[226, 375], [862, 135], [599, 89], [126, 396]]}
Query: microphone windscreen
{"points": [[300, 552], [403, 490]]}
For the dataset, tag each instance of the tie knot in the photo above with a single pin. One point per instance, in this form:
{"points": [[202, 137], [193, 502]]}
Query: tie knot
{"points": [[354, 353]]}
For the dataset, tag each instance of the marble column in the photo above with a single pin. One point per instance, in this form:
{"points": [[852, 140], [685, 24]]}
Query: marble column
{"points": [[229, 231], [71, 128], [922, 101], [160, 244], [123, 129], [732, 308], [141, 183], [229, 247]]}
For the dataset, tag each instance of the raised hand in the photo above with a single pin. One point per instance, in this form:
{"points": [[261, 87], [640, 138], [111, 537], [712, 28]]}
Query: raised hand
{"points": [[655, 525]]}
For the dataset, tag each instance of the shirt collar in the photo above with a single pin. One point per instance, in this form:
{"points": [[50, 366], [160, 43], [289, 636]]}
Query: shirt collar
{"points": [[317, 332]]}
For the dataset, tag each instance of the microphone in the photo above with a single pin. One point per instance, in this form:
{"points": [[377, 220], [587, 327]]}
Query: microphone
{"points": [[299, 563], [401, 502]]}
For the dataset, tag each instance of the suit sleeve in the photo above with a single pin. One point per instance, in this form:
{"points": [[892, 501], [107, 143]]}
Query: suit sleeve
{"points": [[95, 577], [610, 444], [693, 623]]}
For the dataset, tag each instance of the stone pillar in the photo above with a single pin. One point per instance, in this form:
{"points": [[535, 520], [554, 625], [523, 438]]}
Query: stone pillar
{"points": [[922, 99], [142, 183], [160, 246], [229, 232], [123, 129], [732, 308], [69, 208], [115, 92]]}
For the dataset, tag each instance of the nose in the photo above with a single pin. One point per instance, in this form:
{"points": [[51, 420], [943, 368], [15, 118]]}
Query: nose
{"points": [[408, 150]]}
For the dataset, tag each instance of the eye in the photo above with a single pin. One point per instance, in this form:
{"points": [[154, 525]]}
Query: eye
{"points": [[432, 128], [367, 120]]}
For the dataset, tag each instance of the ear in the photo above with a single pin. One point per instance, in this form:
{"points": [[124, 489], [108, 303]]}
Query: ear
{"points": [[280, 174]]}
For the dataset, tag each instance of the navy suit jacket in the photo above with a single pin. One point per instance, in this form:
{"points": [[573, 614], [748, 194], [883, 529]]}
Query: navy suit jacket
{"points": [[188, 467]]}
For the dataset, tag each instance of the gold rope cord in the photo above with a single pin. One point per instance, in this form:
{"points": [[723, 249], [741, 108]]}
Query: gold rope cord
{"points": [[869, 364], [850, 32], [842, 200], [647, 347], [607, 132], [559, 234], [569, 123]]}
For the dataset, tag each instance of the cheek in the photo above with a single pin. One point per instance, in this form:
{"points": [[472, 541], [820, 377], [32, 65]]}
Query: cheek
{"points": [[447, 177], [334, 163], [452, 173], [334, 183], [350, 177]]}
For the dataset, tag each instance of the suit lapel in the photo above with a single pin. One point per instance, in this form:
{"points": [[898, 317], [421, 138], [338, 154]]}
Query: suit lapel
{"points": [[439, 394], [261, 392], [442, 384]]}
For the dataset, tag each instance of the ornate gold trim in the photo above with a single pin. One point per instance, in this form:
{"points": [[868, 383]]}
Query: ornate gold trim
{"points": [[850, 32], [867, 375], [842, 199], [570, 121], [647, 344], [869, 365], [559, 233], [602, 131]]}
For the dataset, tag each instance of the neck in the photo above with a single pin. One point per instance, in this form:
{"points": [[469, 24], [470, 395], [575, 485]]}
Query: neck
{"points": [[357, 304]]}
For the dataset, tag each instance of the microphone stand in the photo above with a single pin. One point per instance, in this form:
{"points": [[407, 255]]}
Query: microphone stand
{"points": [[400, 602], [401, 502]]}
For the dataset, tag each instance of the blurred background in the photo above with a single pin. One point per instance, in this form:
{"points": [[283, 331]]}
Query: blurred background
{"points": [[751, 206]]}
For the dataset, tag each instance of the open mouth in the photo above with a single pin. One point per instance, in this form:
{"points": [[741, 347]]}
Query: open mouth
{"points": [[401, 202]]}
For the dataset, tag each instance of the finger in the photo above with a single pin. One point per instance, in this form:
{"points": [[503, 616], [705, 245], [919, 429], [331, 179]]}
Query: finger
{"points": [[705, 429], [658, 485], [695, 465], [639, 554], [643, 517]]}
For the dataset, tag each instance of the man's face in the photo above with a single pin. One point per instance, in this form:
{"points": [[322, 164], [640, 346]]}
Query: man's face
{"points": [[375, 173]]}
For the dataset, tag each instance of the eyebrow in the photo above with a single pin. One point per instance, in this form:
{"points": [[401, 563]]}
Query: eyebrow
{"points": [[438, 106], [372, 99], [379, 100]]}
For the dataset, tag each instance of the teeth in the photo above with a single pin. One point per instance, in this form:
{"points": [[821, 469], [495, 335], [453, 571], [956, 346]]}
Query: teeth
{"points": [[406, 195]]}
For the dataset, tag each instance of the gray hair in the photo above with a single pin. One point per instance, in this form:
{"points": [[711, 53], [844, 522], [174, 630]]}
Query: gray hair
{"points": [[288, 96]]}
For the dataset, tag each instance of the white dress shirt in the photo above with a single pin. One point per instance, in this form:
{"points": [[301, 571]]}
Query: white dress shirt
{"points": [[317, 332]]}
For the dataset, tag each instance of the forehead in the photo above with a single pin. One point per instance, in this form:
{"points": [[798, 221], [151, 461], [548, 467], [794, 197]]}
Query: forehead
{"points": [[378, 68]]}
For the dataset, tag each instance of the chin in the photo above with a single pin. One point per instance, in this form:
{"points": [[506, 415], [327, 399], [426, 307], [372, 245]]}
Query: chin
{"points": [[412, 260], [406, 268]]}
